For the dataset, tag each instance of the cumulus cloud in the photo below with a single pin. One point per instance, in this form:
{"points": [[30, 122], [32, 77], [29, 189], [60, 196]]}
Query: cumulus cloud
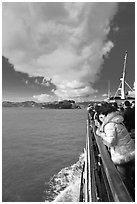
{"points": [[46, 98], [64, 42], [105, 95]]}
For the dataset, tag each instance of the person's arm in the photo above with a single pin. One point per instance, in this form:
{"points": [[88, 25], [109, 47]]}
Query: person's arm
{"points": [[109, 135]]}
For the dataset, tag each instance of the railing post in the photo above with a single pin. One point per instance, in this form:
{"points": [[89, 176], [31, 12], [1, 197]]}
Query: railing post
{"points": [[89, 162], [86, 176]]}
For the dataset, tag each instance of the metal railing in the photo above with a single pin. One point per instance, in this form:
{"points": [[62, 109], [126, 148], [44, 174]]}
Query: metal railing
{"points": [[100, 180]]}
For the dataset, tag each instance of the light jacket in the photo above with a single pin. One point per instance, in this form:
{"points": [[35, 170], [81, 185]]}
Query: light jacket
{"points": [[122, 147]]}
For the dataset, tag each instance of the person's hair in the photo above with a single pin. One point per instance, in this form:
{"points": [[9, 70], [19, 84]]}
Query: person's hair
{"points": [[96, 117], [96, 108], [107, 108], [127, 103], [115, 104]]}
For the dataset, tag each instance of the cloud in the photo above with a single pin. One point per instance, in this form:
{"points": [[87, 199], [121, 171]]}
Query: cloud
{"points": [[105, 95], [116, 29], [45, 98], [64, 42]]}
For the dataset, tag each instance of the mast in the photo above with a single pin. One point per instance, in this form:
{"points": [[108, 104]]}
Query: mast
{"points": [[121, 87], [108, 88], [123, 78]]}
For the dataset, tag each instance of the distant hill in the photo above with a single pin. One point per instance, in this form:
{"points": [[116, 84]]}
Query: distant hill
{"points": [[65, 104], [20, 104]]}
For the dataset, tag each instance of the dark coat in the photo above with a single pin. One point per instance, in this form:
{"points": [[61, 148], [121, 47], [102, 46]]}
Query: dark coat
{"points": [[129, 118]]}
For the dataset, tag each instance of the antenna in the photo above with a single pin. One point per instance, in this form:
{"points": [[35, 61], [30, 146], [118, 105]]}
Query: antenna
{"points": [[123, 78], [121, 87]]}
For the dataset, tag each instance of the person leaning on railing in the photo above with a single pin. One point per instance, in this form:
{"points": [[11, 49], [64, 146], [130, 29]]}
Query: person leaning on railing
{"points": [[122, 148], [91, 111]]}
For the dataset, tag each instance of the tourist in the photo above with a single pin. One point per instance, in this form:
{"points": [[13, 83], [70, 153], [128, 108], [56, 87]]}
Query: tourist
{"points": [[120, 108], [129, 116], [116, 137], [91, 111]]}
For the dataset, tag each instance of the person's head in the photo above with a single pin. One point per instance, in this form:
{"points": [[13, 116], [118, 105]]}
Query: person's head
{"points": [[105, 109], [96, 117], [127, 104], [120, 105], [97, 107], [101, 117], [120, 108], [115, 104]]}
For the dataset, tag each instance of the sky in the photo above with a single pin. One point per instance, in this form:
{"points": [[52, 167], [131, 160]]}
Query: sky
{"points": [[62, 50]]}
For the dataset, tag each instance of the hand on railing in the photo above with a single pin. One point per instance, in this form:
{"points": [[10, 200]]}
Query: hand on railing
{"points": [[97, 124]]}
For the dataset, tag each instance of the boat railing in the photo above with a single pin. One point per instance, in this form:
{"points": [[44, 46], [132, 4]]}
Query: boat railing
{"points": [[100, 181]]}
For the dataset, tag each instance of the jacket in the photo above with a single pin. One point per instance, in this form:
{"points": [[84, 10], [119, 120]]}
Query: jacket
{"points": [[129, 118], [117, 138]]}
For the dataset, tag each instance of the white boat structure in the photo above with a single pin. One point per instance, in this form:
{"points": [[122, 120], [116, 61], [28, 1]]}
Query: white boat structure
{"points": [[120, 95]]}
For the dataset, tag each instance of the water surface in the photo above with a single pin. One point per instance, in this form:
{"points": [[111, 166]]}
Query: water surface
{"points": [[36, 144]]}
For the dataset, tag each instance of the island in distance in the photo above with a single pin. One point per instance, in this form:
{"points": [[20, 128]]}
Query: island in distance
{"points": [[64, 104]]}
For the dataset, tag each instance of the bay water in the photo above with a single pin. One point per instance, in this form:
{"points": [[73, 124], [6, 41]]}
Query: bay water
{"points": [[36, 145]]}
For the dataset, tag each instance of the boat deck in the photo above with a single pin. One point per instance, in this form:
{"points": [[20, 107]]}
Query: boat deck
{"points": [[100, 180]]}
